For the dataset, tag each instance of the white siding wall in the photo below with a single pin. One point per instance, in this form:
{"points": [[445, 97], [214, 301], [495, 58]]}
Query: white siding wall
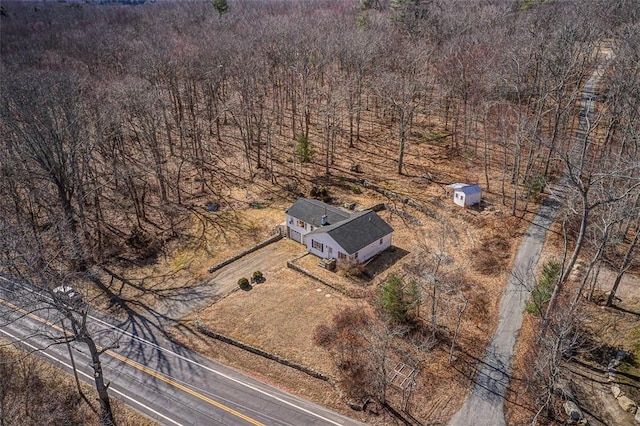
{"points": [[326, 242], [460, 199], [374, 248], [472, 199], [292, 224]]}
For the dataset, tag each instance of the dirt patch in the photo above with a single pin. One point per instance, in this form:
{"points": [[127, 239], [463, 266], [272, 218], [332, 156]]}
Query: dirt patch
{"points": [[492, 256]]}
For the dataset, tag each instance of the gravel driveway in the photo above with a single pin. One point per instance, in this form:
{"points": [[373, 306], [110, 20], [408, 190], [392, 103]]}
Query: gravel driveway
{"points": [[268, 259]]}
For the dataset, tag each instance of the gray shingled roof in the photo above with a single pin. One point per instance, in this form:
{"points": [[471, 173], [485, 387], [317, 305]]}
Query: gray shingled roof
{"points": [[311, 211], [358, 231]]}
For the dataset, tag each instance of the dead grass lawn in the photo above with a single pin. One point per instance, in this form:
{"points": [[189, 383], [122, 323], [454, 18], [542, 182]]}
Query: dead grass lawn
{"points": [[280, 316], [183, 266]]}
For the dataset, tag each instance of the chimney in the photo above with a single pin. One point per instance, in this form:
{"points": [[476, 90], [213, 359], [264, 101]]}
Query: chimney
{"points": [[325, 220]]}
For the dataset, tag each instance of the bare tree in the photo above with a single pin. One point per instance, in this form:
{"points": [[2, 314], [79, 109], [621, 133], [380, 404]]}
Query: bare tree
{"points": [[50, 138], [626, 263], [33, 296], [401, 89], [548, 356], [432, 267]]}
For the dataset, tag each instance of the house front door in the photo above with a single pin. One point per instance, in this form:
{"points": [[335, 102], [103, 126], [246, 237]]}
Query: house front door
{"points": [[330, 252]]}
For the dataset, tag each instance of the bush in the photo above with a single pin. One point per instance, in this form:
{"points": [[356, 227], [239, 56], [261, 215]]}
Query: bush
{"points": [[350, 267], [145, 246], [399, 298], [535, 185], [492, 256], [321, 193], [324, 336], [257, 277], [244, 284]]}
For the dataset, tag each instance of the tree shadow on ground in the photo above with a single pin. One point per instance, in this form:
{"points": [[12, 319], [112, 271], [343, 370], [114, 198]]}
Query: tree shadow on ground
{"points": [[384, 261], [148, 325], [626, 310]]}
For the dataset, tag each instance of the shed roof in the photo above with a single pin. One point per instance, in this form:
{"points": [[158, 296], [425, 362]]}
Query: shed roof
{"points": [[311, 211], [470, 189], [466, 188], [357, 232], [457, 185]]}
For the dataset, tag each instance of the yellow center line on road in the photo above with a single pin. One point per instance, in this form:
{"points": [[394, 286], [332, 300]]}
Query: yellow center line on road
{"points": [[175, 384], [143, 368]]}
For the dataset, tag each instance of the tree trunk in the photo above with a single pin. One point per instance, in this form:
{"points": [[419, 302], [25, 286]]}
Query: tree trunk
{"points": [[403, 139], [106, 415], [569, 266], [624, 267]]}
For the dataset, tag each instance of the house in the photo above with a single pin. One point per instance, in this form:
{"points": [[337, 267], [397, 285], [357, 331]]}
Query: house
{"points": [[466, 195], [331, 233], [305, 215]]}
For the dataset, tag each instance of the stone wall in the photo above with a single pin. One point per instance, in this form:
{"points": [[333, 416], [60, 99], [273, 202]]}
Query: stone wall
{"points": [[303, 271], [258, 246], [626, 403], [398, 197], [261, 352]]}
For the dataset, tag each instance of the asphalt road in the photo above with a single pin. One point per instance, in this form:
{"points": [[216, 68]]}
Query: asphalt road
{"points": [[175, 387], [485, 404]]}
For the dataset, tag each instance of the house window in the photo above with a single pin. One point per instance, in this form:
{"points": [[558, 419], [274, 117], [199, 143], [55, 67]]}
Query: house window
{"points": [[316, 245], [300, 224], [355, 256], [381, 241], [341, 255]]}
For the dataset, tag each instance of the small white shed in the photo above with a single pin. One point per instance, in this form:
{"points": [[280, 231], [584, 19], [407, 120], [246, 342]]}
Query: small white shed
{"points": [[466, 195]]}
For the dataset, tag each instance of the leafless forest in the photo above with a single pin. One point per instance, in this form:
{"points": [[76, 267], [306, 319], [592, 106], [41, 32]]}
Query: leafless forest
{"points": [[118, 123]]}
